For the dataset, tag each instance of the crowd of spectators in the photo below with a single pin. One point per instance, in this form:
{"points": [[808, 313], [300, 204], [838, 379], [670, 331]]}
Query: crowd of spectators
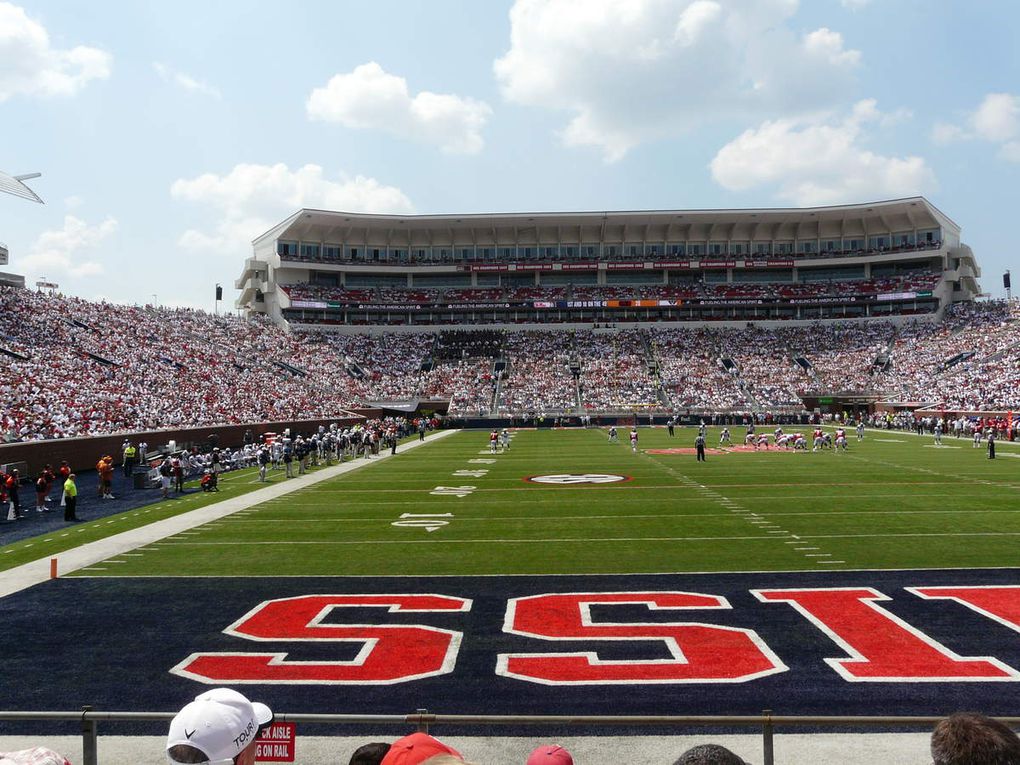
{"points": [[78, 368], [692, 373], [615, 371], [690, 289], [539, 379]]}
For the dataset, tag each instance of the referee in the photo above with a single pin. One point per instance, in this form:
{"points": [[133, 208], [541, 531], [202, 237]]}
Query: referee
{"points": [[991, 443], [699, 445]]}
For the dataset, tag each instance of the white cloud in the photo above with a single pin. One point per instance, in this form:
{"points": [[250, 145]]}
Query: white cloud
{"points": [[629, 71], [855, 5], [184, 81], [30, 66], [59, 253], [996, 120], [828, 45], [820, 160], [369, 98], [250, 199], [944, 133]]}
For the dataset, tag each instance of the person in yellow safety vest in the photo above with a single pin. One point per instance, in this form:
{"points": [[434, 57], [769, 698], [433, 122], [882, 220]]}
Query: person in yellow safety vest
{"points": [[70, 498], [130, 458]]}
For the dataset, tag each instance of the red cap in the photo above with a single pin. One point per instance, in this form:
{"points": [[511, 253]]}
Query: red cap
{"points": [[416, 748], [550, 755]]}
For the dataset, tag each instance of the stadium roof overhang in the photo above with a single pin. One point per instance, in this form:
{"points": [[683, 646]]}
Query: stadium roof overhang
{"points": [[749, 224]]}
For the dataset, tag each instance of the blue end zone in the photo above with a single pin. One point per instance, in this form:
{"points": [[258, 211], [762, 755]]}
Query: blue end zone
{"points": [[112, 642]]}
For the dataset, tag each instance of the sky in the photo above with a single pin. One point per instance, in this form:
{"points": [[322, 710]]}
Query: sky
{"points": [[169, 135]]}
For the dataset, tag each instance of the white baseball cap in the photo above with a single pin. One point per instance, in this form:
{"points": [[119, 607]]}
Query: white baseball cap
{"points": [[221, 723]]}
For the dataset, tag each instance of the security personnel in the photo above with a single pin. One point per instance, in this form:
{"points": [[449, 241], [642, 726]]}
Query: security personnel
{"points": [[130, 458], [70, 498], [699, 445]]}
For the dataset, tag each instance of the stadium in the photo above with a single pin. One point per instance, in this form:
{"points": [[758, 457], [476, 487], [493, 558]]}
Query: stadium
{"points": [[439, 443]]}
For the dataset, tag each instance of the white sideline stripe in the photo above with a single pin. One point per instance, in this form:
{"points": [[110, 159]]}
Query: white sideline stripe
{"points": [[585, 540], [84, 557]]}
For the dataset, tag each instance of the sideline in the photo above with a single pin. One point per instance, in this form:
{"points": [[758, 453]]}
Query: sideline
{"points": [[35, 572]]}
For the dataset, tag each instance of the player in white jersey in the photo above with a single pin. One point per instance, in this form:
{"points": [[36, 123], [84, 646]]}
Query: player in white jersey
{"points": [[633, 440], [799, 442], [777, 433], [724, 437], [504, 439], [938, 432], [613, 437], [784, 441], [860, 430], [763, 440]]}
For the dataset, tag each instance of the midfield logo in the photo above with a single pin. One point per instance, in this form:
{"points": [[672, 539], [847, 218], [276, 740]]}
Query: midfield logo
{"points": [[569, 479], [871, 643]]}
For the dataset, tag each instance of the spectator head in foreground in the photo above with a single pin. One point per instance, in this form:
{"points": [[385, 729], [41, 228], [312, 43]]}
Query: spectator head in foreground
{"points": [[550, 754], [369, 754], [416, 749], [967, 738], [219, 727], [709, 754]]}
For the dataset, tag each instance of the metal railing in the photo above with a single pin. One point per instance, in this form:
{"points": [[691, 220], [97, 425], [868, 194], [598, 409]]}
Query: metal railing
{"points": [[422, 720]]}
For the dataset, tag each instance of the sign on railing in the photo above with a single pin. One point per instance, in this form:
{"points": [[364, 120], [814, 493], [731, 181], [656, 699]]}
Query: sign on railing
{"points": [[276, 744]]}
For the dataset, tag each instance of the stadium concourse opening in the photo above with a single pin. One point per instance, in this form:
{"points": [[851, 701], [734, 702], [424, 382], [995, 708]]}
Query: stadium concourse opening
{"points": [[582, 359]]}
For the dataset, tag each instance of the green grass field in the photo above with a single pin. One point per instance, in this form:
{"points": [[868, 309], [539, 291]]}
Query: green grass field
{"points": [[893, 501]]}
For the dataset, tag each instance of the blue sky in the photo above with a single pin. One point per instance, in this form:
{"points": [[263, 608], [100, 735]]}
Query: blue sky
{"points": [[169, 135]]}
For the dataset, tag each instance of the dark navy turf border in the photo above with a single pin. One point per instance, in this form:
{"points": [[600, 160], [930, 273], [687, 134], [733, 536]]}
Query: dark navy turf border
{"points": [[110, 643]]}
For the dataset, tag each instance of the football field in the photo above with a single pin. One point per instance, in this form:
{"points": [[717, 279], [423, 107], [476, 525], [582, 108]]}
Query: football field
{"points": [[882, 580], [570, 502]]}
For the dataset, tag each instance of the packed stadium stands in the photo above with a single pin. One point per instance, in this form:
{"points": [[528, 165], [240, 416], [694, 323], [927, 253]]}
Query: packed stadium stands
{"points": [[76, 367], [908, 282]]}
